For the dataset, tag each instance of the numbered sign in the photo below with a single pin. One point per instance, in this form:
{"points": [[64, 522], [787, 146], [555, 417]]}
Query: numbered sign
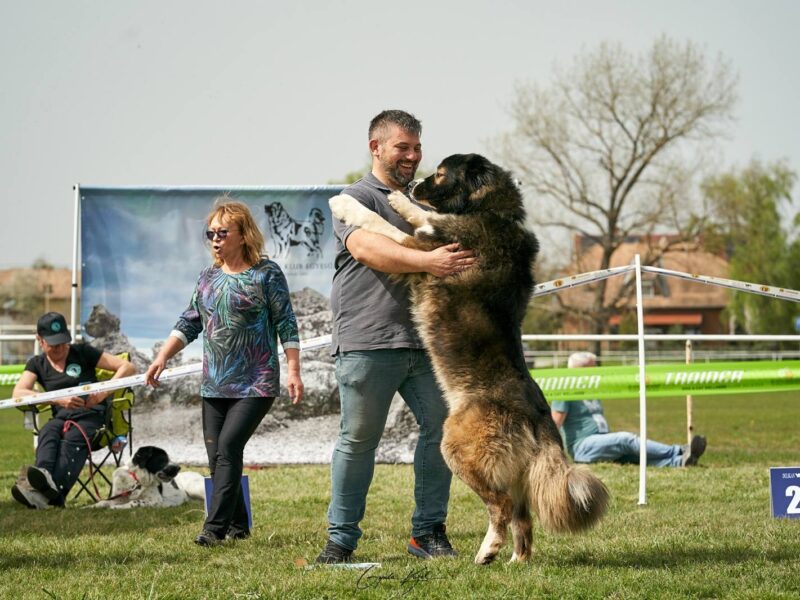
{"points": [[245, 496], [784, 491]]}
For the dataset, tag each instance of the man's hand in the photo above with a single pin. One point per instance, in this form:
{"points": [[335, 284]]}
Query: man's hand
{"points": [[449, 260]]}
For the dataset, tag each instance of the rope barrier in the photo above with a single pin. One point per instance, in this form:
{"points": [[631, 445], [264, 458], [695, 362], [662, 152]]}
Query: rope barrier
{"points": [[742, 286], [564, 283]]}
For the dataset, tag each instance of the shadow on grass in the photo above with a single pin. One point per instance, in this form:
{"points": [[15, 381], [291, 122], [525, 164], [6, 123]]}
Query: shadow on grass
{"points": [[72, 523], [653, 558], [650, 558]]}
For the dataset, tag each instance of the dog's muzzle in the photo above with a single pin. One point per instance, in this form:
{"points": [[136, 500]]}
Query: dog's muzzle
{"points": [[414, 184]]}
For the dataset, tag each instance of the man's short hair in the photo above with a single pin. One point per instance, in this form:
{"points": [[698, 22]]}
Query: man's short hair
{"points": [[581, 359], [405, 121]]}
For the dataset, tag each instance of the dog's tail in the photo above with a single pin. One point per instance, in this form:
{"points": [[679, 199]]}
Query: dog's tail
{"points": [[567, 499]]}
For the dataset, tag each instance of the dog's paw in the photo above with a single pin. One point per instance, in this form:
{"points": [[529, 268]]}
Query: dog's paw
{"points": [[342, 207], [484, 558], [398, 201]]}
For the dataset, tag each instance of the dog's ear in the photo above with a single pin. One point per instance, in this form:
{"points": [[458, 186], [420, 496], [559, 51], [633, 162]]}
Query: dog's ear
{"points": [[142, 455], [478, 172], [168, 473], [150, 458]]}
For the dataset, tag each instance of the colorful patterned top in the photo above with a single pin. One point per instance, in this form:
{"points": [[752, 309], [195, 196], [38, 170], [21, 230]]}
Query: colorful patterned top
{"points": [[242, 315]]}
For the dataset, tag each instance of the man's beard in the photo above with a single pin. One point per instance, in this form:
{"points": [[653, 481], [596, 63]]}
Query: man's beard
{"points": [[398, 177]]}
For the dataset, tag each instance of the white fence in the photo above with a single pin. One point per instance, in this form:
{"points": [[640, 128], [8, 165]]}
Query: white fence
{"points": [[557, 285]]}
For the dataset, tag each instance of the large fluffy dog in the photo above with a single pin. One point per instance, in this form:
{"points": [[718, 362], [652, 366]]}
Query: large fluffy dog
{"points": [[499, 437], [152, 480]]}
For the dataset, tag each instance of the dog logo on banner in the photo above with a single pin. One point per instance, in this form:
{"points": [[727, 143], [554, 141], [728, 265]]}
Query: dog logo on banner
{"points": [[287, 232]]}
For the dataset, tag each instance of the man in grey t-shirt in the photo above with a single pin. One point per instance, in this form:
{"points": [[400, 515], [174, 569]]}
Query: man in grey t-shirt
{"points": [[378, 352]]}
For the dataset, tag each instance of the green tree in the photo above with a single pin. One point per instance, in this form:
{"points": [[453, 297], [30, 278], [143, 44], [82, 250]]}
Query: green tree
{"points": [[745, 219], [352, 176], [42, 264], [605, 149]]}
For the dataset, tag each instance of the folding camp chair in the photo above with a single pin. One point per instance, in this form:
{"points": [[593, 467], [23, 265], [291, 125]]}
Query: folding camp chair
{"points": [[118, 427]]}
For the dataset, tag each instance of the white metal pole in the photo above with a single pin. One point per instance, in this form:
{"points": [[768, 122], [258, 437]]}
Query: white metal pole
{"points": [[689, 424], [642, 388], [73, 316]]}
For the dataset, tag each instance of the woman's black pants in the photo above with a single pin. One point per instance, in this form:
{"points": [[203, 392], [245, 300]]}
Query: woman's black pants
{"points": [[228, 424]]}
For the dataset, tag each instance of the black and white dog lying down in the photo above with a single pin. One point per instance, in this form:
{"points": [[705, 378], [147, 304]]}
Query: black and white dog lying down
{"points": [[150, 479]]}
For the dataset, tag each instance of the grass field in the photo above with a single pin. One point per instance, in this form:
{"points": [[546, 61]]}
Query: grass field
{"points": [[706, 532]]}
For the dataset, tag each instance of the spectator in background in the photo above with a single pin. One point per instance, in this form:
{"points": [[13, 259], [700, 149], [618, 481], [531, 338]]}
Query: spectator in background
{"points": [[62, 447], [588, 439]]}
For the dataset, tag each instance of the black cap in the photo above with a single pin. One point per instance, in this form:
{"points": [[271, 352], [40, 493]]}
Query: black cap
{"points": [[52, 328]]}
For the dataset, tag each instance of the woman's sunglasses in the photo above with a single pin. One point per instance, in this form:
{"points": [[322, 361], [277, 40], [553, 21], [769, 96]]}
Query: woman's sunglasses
{"points": [[220, 233]]}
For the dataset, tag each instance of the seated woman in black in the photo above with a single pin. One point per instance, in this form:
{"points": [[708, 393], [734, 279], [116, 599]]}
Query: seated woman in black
{"points": [[62, 447]]}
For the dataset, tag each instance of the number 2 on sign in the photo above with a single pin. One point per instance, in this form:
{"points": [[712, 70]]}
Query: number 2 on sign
{"points": [[794, 505]]}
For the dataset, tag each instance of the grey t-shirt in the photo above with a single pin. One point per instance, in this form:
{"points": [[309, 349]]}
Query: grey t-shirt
{"points": [[370, 309], [584, 418]]}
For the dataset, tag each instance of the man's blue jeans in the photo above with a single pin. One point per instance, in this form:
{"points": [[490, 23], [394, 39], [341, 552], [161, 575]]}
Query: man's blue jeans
{"points": [[368, 381], [623, 447]]}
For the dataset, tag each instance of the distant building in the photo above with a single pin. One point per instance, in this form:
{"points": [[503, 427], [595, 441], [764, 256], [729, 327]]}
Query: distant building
{"points": [[671, 305], [27, 293]]}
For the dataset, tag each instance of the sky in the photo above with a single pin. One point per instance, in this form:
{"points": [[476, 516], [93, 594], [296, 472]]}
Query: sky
{"points": [[195, 92]]}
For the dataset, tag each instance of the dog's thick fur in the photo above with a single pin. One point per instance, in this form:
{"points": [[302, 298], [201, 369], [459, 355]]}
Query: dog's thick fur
{"points": [[150, 479], [499, 437]]}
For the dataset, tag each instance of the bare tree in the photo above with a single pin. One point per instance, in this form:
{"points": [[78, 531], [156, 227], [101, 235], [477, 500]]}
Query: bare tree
{"points": [[604, 149]]}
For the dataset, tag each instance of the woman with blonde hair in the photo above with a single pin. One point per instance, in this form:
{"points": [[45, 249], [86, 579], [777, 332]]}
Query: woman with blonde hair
{"points": [[242, 304]]}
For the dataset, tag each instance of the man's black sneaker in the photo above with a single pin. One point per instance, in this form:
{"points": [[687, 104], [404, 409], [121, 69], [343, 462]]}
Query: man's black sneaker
{"points": [[432, 544], [333, 553], [693, 452], [207, 538]]}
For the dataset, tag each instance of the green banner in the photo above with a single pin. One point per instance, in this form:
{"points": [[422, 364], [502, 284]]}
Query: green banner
{"points": [[697, 379], [9, 374]]}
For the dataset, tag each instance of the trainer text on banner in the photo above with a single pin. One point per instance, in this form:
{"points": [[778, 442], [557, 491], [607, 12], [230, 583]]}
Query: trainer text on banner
{"points": [[698, 379]]}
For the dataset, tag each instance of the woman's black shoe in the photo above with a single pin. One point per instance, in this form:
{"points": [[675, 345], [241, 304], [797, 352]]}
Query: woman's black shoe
{"points": [[237, 534], [207, 538]]}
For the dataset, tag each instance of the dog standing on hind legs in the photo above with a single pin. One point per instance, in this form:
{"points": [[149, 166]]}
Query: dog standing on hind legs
{"points": [[499, 437]]}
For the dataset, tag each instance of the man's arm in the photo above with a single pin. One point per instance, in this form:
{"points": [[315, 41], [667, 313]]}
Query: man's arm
{"points": [[382, 254], [559, 417]]}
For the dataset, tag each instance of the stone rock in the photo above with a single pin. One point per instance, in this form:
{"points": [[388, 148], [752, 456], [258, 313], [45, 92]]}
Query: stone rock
{"points": [[104, 327]]}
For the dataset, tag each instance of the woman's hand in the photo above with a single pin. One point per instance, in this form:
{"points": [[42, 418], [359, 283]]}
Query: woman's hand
{"points": [[171, 347], [71, 402], [96, 398], [293, 382], [295, 386], [154, 371]]}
